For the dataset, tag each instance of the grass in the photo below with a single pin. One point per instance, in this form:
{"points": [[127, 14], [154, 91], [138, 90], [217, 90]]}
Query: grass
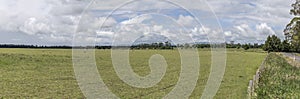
{"points": [[279, 80], [28, 73], [48, 73], [290, 60]]}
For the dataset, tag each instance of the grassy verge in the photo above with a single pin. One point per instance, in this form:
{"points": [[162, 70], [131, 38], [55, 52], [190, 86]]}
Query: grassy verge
{"points": [[279, 80]]}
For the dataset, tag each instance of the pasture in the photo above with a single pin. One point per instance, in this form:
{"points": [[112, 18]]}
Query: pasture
{"points": [[48, 73]]}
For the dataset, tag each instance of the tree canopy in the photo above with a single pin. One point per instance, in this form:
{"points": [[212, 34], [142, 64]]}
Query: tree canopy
{"points": [[272, 44], [292, 30], [296, 8]]}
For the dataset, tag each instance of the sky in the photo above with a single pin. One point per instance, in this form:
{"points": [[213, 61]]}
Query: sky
{"points": [[60, 22]]}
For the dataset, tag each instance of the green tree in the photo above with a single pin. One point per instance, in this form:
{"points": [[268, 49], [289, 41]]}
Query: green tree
{"points": [[168, 45], [160, 45], [296, 8], [285, 46], [266, 46], [276, 43], [246, 46], [238, 46], [272, 44], [292, 30]]}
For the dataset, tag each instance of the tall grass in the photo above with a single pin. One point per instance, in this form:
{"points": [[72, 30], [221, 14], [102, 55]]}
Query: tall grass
{"points": [[279, 80]]}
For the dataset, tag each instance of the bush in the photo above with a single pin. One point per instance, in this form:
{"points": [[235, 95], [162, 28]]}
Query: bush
{"points": [[246, 47]]}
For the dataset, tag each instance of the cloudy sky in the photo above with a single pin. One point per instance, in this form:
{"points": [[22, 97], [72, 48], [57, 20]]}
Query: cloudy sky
{"points": [[56, 22]]}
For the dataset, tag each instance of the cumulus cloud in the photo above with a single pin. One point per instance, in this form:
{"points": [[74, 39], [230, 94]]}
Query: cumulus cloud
{"points": [[51, 20], [56, 20], [31, 26], [236, 12], [186, 20], [264, 29], [244, 30], [52, 27], [149, 4], [244, 33]]}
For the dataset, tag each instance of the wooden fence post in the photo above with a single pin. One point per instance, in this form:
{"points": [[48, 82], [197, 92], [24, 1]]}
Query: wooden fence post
{"points": [[250, 89]]}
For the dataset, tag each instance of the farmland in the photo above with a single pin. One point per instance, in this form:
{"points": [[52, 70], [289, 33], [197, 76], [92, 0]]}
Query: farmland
{"points": [[48, 73]]}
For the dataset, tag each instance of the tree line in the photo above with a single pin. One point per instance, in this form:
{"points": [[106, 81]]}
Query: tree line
{"points": [[274, 44], [159, 45], [32, 46], [168, 46]]}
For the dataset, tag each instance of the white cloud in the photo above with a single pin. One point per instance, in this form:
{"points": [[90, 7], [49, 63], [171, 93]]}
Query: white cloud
{"points": [[244, 30], [244, 33], [186, 20], [264, 29], [228, 33], [31, 27], [149, 4], [56, 20], [252, 13], [158, 28], [49, 20], [136, 20]]}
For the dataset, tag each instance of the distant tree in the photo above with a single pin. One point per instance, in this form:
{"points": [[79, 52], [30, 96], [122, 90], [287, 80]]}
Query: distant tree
{"points": [[168, 45], [238, 46], [272, 44], [250, 45], [186, 45], [154, 45], [255, 45], [160, 45], [202, 45], [246, 46]]}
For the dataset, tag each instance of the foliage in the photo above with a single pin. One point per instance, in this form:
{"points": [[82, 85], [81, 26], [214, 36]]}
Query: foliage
{"points": [[285, 46], [32, 46], [292, 30], [279, 80], [238, 46], [296, 8], [159, 45], [246, 47], [272, 44]]}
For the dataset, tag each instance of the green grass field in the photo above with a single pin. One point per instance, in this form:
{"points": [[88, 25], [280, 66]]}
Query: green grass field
{"points": [[48, 73]]}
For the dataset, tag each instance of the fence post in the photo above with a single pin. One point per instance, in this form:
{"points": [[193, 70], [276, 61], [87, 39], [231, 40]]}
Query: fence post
{"points": [[250, 89]]}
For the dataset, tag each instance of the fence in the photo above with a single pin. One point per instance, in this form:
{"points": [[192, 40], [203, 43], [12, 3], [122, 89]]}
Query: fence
{"points": [[253, 83]]}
